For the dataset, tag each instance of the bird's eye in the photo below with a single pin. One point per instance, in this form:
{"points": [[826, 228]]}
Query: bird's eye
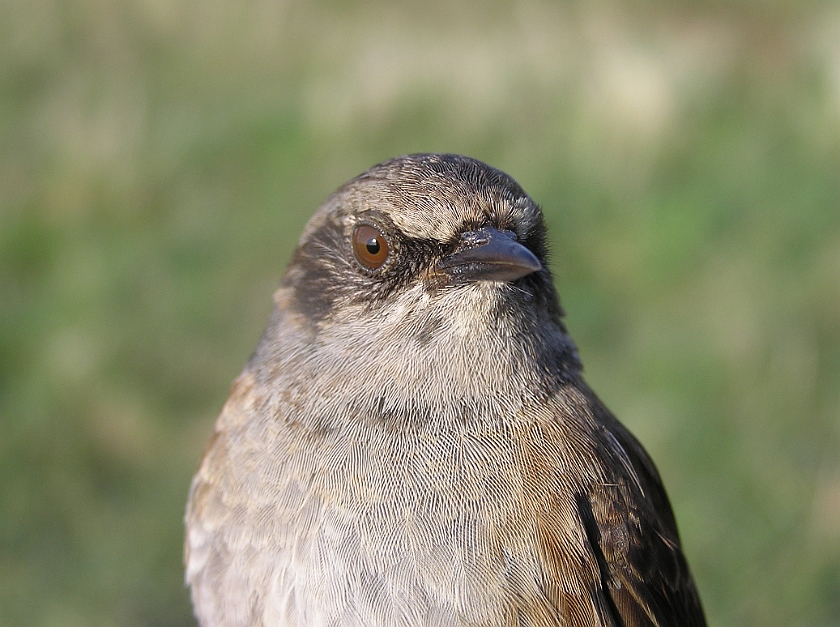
{"points": [[370, 246]]}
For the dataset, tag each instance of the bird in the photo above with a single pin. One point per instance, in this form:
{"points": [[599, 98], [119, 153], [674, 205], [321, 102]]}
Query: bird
{"points": [[412, 442]]}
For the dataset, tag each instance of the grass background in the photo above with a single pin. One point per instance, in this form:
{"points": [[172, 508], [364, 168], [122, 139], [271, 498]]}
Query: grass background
{"points": [[159, 158]]}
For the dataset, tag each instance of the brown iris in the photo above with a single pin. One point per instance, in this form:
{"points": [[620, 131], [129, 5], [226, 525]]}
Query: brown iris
{"points": [[370, 246]]}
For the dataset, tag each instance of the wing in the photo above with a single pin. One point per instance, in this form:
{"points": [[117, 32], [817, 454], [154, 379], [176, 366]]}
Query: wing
{"points": [[633, 535], [236, 517], [206, 548]]}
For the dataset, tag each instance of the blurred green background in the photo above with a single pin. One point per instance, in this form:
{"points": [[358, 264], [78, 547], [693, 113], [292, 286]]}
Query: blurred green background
{"points": [[159, 158]]}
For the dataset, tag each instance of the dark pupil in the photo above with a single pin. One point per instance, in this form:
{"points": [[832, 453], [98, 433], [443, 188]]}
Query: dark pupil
{"points": [[372, 246]]}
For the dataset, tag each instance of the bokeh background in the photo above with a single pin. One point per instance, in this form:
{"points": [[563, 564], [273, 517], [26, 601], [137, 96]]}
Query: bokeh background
{"points": [[159, 158]]}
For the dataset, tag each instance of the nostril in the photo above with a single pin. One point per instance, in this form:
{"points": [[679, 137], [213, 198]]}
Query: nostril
{"points": [[471, 239], [480, 237]]}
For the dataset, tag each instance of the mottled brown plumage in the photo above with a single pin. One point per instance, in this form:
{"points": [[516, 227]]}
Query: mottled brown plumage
{"points": [[412, 442]]}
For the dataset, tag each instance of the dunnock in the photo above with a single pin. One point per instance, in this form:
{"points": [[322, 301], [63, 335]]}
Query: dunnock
{"points": [[412, 442]]}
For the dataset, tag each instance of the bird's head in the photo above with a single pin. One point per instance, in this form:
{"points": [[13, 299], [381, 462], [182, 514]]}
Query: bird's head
{"points": [[419, 230], [428, 268]]}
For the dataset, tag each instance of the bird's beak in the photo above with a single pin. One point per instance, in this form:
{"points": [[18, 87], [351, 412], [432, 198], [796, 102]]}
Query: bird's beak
{"points": [[489, 255]]}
